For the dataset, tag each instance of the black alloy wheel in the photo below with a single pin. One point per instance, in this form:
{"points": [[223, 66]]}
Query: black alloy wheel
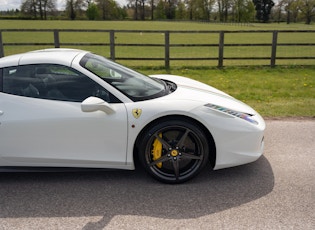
{"points": [[174, 151]]}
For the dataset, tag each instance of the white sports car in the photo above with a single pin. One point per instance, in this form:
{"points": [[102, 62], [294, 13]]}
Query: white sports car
{"points": [[66, 108]]}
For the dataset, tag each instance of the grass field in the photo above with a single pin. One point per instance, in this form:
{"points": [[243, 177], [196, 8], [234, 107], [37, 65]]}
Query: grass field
{"points": [[158, 38], [147, 25], [278, 92], [283, 91]]}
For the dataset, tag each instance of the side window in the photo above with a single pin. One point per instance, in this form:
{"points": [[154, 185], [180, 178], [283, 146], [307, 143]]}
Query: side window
{"points": [[19, 81], [54, 82]]}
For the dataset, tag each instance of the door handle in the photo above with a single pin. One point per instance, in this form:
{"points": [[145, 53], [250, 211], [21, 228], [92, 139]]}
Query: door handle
{"points": [[1, 112]]}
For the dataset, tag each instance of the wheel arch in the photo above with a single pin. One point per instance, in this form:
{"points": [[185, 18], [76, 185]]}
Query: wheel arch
{"points": [[211, 143]]}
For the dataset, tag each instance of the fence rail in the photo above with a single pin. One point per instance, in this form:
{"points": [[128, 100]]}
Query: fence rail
{"points": [[220, 58]]}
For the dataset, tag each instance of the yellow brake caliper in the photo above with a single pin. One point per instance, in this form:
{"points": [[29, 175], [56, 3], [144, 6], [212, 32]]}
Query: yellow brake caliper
{"points": [[157, 151]]}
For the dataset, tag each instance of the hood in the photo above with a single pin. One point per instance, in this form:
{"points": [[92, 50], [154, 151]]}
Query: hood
{"points": [[190, 83], [192, 90]]}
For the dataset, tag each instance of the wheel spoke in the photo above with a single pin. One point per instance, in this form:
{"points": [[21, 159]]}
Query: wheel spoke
{"points": [[176, 168], [164, 143], [182, 139], [160, 160], [190, 156]]}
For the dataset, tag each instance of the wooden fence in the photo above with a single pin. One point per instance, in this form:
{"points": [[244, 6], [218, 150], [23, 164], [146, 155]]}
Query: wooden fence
{"points": [[221, 45]]}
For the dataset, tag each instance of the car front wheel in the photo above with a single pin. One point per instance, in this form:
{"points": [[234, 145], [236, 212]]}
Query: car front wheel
{"points": [[174, 151]]}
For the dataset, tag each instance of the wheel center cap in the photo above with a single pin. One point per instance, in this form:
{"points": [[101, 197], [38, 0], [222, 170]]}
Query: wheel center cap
{"points": [[174, 153]]}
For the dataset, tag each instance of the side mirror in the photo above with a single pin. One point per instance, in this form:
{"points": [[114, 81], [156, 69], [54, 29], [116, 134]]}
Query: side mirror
{"points": [[92, 104]]}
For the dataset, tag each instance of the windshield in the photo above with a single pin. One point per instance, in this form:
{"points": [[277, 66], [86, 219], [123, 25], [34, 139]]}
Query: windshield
{"points": [[136, 86]]}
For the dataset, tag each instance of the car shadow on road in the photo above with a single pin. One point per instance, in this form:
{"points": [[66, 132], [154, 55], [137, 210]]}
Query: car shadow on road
{"points": [[111, 193]]}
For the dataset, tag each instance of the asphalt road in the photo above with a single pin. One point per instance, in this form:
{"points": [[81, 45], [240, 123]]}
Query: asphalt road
{"points": [[275, 192]]}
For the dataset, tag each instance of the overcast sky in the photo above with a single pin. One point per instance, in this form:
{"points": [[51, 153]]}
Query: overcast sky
{"points": [[15, 4]]}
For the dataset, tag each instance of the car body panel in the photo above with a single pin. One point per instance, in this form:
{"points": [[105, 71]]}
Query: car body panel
{"points": [[237, 141], [37, 132]]}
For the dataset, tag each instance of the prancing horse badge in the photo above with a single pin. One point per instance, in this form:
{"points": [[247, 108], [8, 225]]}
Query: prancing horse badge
{"points": [[136, 113]]}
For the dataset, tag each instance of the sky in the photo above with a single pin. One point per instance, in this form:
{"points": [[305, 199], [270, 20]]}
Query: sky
{"points": [[15, 4]]}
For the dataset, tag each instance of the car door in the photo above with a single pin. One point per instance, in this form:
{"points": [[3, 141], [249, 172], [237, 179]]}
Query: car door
{"points": [[42, 123]]}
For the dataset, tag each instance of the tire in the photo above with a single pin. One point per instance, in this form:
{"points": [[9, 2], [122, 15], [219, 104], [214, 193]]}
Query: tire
{"points": [[173, 151]]}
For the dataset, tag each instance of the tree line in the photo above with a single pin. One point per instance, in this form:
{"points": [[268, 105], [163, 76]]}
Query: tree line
{"points": [[201, 10]]}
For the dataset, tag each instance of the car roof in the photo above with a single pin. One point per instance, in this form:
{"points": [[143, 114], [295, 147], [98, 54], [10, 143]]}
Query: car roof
{"points": [[54, 56]]}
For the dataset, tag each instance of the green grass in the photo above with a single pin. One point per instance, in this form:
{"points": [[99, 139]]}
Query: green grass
{"points": [[175, 38], [147, 25], [279, 92]]}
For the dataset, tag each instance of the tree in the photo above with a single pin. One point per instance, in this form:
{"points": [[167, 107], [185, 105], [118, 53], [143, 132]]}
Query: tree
{"points": [[138, 8], [307, 8], [46, 6], [170, 6], [74, 8], [181, 12], [165, 9], [103, 6], [152, 5], [291, 9], [28, 8], [223, 9], [200, 9], [92, 11], [142, 9], [207, 8], [243, 10], [160, 10], [250, 11], [35, 8], [110, 10], [263, 9]]}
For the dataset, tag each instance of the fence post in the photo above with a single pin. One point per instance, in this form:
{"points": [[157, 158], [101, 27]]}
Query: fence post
{"points": [[1, 46], [167, 49], [56, 39], [274, 48], [112, 45], [221, 49]]}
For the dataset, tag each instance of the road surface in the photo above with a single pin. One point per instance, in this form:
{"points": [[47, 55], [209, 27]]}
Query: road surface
{"points": [[275, 192]]}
